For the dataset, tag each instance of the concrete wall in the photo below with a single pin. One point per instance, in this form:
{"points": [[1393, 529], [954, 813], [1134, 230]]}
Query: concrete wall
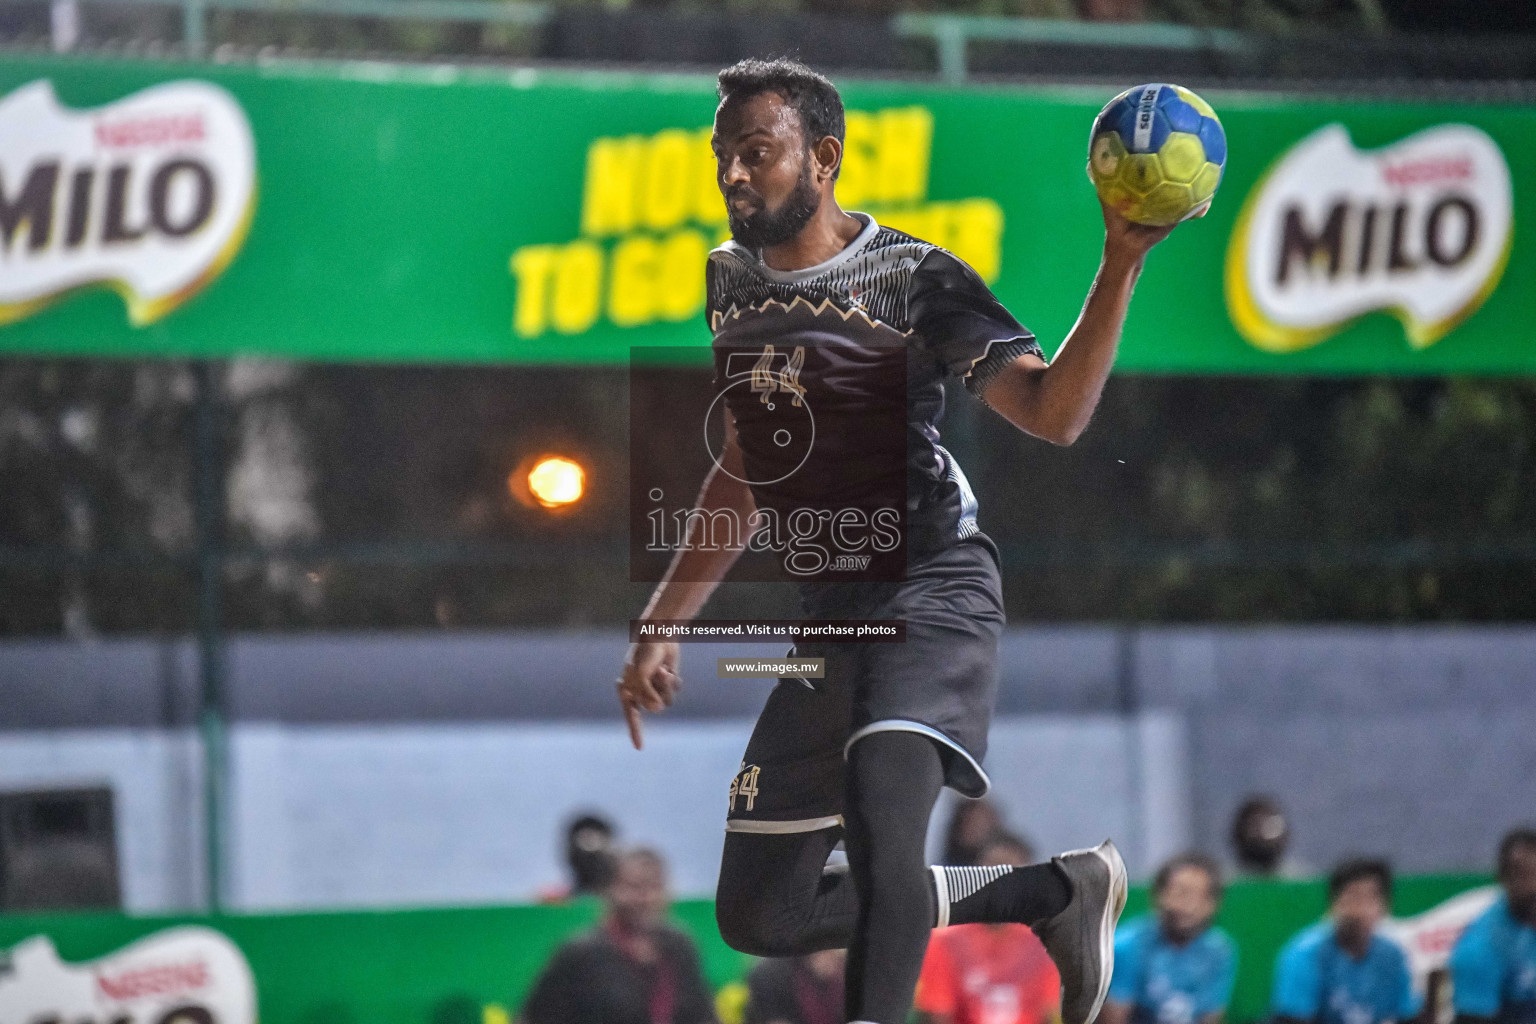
{"points": [[1418, 743], [467, 813], [433, 768], [471, 812]]}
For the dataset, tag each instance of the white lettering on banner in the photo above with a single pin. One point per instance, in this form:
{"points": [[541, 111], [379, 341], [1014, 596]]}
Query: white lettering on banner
{"points": [[150, 195], [183, 975], [1421, 228]]}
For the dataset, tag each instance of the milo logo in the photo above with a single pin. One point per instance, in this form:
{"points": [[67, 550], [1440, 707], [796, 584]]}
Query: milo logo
{"points": [[150, 195], [1421, 229]]}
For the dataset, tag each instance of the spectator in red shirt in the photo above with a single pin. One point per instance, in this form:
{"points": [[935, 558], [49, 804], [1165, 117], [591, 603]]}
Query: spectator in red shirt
{"points": [[989, 973]]}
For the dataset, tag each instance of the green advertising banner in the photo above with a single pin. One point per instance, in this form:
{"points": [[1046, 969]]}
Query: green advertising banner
{"points": [[476, 965], [360, 211]]}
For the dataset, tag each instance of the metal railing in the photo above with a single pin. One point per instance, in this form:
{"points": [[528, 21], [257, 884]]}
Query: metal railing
{"points": [[950, 34], [65, 23], [953, 34]]}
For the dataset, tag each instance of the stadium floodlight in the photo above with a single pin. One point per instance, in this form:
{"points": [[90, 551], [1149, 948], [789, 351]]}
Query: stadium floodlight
{"points": [[553, 481]]}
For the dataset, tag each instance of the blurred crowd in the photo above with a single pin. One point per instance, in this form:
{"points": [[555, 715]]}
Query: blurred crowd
{"points": [[1173, 964]]}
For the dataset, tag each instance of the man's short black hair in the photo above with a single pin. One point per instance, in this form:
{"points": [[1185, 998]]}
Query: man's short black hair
{"points": [[1352, 871], [1515, 839], [1196, 860], [813, 96], [589, 823]]}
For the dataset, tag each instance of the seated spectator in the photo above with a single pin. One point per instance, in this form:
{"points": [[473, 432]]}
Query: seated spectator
{"points": [[1174, 967], [633, 968], [1261, 837], [989, 973], [799, 990], [588, 855], [1339, 971], [1493, 967], [970, 828]]}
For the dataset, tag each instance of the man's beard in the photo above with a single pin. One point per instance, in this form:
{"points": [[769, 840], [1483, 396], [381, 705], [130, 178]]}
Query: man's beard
{"points": [[765, 227]]}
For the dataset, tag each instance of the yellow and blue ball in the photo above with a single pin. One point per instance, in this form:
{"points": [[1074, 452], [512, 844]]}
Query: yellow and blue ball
{"points": [[1156, 153]]}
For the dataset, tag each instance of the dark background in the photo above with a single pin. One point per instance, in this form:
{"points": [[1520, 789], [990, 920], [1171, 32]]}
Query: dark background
{"points": [[1188, 499]]}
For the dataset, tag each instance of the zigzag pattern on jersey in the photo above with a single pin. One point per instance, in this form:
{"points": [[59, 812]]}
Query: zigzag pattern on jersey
{"points": [[733, 313], [874, 282], [963, 882]]}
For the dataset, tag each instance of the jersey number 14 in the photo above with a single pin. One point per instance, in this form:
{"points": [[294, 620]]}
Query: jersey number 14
{"points": [[766, 380]]}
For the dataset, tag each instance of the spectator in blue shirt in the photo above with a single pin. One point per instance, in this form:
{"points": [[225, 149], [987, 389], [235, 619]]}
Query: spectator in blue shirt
{"points": [[1493, 967], [1339, 971], [1174, 967]]}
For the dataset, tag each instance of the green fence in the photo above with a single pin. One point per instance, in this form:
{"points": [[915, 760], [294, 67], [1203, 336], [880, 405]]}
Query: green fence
{"points": [[458, 966]]}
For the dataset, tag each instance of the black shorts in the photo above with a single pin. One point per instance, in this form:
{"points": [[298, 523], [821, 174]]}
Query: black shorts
{"points": [[941, 683]]}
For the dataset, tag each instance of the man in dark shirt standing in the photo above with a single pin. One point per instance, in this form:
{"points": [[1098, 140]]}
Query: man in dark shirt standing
{"points": [[832, 337], [633, 968]]}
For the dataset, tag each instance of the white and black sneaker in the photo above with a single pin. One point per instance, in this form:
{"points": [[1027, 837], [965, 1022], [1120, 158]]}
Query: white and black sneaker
{"points": [[1081, 939]]}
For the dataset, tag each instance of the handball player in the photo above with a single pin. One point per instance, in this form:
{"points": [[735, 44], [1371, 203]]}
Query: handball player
{"points": [[867, 319]]}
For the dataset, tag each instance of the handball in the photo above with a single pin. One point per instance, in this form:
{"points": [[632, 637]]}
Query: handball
{"points": [[1156, 154]]}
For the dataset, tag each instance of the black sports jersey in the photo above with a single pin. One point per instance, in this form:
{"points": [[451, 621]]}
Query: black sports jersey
{"points": [[833, 375]]}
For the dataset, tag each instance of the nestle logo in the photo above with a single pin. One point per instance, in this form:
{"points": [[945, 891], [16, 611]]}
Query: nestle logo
{"points": [[150, 131], [1438, 940], [168, 979], [1427, 171]]}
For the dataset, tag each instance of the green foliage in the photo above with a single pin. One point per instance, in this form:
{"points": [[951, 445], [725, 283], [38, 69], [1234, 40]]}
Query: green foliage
{"points": [[362, 497], [1251, 500]]}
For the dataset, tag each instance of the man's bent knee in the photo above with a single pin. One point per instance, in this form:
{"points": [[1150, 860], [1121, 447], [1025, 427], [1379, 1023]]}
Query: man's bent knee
{"points": [[755, 926], [766, 901]]}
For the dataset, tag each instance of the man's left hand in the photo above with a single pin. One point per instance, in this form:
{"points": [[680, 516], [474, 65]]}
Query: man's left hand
{"points": [[1126, 238]]}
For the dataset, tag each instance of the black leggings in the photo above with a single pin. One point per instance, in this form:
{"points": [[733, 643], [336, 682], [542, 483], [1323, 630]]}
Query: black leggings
{"points": [[774, 899]]}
